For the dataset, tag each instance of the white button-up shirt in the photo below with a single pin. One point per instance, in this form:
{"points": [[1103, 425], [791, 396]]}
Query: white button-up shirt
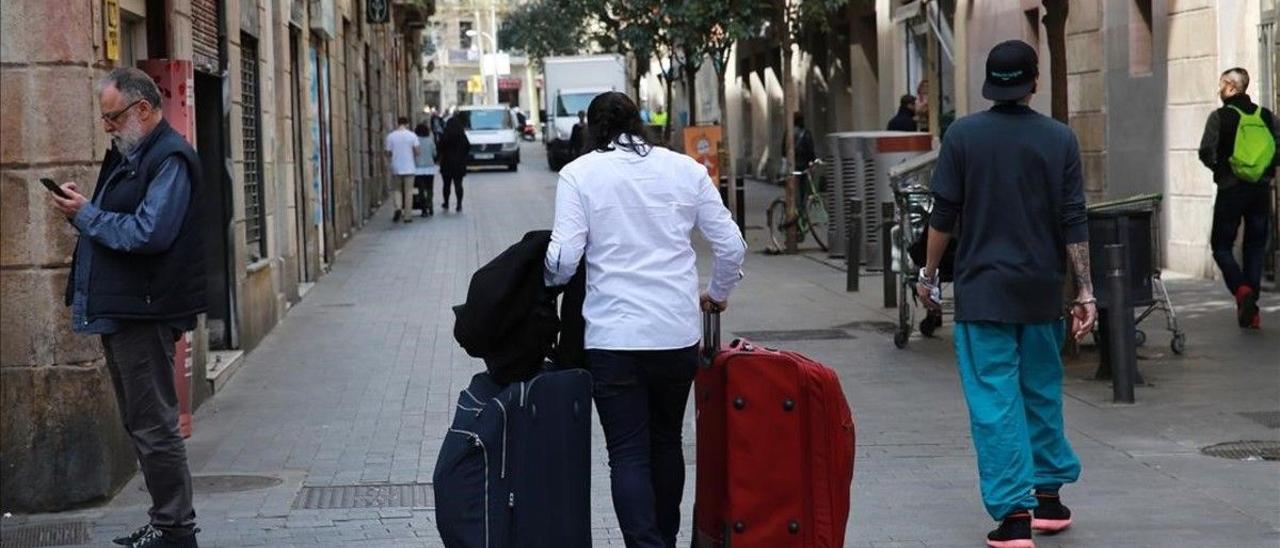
{"points": [[632, 216]]}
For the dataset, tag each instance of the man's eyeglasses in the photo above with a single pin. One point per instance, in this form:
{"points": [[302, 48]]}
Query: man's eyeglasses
{"points": [[113, 117]]}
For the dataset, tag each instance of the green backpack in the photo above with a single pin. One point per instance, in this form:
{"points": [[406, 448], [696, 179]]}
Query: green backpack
{"points": [[1255, 147]]}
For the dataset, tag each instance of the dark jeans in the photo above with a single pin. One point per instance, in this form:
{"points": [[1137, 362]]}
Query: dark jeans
{"points": [[140, 360], [640, 396], [427, 185], [1250, 203], [456, 182]]}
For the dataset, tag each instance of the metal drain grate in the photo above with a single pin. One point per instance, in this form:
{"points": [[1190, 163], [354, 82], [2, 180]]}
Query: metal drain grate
{"points": [[229, 483], [1269, 419], [48, 534], [1245, 450], [794, 335], [407, 495], [870, 325]]}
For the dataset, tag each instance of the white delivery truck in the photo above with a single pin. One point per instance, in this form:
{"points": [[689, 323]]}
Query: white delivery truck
{"points": [[568, 86]]}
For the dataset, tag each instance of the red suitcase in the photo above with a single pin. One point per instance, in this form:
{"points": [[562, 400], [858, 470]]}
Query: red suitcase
{"points": [[775, 449]]}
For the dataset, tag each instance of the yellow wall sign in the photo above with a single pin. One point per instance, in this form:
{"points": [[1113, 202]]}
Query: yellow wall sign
{"points": [[111, 30], [475, 84]]}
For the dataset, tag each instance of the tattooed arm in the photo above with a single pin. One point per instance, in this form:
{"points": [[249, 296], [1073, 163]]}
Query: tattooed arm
{"points": [[1084, 310]]}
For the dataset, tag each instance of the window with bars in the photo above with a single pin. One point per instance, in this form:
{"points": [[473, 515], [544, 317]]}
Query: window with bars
{"points": [[251, 123]]}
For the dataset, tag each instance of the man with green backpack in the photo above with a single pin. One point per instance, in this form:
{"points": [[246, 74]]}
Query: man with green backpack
{"points": [[1239, 145]]}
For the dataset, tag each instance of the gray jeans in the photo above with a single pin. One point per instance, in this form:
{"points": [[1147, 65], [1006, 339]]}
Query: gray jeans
{"points": [[140, 360]]}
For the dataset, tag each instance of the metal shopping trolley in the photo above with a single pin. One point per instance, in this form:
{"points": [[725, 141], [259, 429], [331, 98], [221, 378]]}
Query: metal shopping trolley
{"points": [[1134, 221], [912, 205]]}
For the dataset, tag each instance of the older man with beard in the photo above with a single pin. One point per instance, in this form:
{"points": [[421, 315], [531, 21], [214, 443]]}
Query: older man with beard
{"points": [[137, 280]]}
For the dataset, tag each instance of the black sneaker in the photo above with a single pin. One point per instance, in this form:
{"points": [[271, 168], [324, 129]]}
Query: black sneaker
{"points": [[1013, 532], [1051, 516], [457, 208], [157, 539], [134, 536], [396, 218]]}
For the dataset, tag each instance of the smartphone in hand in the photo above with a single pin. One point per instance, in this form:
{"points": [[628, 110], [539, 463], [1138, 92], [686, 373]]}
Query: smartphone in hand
{"points": [[54, 188]]}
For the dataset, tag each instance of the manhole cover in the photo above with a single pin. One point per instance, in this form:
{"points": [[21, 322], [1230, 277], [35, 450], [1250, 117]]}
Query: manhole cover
{"points": [[406, 495], [1245, 450], [794, 335], [228, 483], [48, 534], [1269, 419]]}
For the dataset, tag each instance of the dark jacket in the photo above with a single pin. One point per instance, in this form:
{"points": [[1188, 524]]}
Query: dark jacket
{"points": [[577, 139], [149, 287], [905, 120], [1219, 140], [454, 150], [510, 320], [805, 153]]}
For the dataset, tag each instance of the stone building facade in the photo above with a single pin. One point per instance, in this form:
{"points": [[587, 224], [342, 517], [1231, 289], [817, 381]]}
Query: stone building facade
{"points": [[287, 103]]}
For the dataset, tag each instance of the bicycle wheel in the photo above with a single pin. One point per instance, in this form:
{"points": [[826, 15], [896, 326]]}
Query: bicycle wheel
{"points": [[816, 213], [774, 217]]}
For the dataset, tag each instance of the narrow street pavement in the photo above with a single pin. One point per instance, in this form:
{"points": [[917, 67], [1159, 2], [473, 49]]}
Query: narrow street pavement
{"points": [[357, 385]]}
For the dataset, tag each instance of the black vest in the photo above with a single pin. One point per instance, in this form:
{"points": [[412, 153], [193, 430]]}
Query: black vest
{"points": [[133, 286]]}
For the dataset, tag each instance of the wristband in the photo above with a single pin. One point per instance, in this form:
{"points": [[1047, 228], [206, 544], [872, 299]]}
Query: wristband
{"points": [[1081, 302]]}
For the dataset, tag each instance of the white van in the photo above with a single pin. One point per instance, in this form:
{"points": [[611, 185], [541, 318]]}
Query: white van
{"points": [[495, 140]]}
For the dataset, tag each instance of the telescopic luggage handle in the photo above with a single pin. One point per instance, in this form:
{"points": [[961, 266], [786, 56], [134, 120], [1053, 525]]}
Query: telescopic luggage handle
{"points": [[710, 336]]}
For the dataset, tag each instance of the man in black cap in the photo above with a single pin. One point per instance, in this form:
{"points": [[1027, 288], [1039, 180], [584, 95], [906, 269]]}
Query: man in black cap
{"points": [[1013, 176]]}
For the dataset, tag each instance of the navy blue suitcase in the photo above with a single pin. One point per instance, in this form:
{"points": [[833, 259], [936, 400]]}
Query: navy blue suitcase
{"points": [[515, 466]]}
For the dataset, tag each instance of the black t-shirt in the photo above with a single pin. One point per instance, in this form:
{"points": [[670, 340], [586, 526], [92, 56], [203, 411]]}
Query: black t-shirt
{"points": [[1013, 178]]}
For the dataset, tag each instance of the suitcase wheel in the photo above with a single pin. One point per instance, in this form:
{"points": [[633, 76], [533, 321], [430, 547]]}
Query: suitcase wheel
{"points": [[793, 527], [789, 404], [739, 403]]}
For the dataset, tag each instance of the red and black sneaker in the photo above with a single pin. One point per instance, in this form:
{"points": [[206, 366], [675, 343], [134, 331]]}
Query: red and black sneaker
{"points": [[1013, 532], [1246, 306], [1051, 516]]}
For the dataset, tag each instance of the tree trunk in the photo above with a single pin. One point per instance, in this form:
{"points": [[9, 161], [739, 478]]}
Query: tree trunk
{"points": [[666, 105], [728, 167], [790, 106], [691, 92], [1055, 23]]}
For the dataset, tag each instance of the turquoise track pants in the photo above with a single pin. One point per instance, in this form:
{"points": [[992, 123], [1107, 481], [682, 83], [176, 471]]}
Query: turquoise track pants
{"points": [[1012, 380]]}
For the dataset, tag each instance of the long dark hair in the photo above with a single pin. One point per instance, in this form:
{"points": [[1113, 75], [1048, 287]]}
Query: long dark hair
{"points": [[613, 118], [454, 130]]}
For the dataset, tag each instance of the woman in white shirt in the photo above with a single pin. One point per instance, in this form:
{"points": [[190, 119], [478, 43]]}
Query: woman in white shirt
{"points": [[425, 166], [628, 209]]}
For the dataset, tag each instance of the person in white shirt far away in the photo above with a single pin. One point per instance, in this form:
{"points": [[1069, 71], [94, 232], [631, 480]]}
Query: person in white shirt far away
{"points": [[402, 147], [628, 209]]}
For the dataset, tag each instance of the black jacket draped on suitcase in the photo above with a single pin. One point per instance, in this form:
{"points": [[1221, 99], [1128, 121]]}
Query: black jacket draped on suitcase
{"points": [[514, 467]]}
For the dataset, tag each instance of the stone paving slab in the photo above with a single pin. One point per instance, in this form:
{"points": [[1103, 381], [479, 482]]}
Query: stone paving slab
{"points": [[358, 383]]}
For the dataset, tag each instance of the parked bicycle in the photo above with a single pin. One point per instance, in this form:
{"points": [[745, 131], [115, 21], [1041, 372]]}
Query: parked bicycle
{"points": [[810, 215]]}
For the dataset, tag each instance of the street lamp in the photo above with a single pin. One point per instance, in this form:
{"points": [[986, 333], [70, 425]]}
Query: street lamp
{"points": [[472, 33]]}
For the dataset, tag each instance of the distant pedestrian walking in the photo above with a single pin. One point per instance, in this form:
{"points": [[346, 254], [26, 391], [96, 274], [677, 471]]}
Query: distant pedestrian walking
{"points": [[402, 147], [424, 160], [138, 281], [905, 119], [1014, 177], [1239, 145], [577, 135], [454, 153], [627, 208]]}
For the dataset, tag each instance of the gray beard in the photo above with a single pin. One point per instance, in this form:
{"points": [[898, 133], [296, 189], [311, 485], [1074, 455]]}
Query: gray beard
{"points": [[124, 145]]}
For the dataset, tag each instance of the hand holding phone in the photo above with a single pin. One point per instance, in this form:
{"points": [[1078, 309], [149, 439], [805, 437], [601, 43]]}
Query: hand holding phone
{"points": [[54, 188]]}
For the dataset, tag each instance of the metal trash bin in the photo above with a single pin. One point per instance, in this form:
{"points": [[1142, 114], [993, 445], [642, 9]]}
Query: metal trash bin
{"points": [[860, 162]]}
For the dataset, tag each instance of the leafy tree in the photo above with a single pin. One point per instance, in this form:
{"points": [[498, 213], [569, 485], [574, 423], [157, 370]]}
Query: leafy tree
{"points": [[544, 28]]}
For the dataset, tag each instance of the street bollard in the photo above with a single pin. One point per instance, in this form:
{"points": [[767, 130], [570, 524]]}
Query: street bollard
{"points": [[1121, 345], [853, 248], [886, 255]]}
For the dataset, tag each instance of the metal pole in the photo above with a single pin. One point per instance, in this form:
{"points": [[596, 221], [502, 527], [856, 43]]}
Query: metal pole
{"points": [[1123, 356], [886, 256], [853, 247]]}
